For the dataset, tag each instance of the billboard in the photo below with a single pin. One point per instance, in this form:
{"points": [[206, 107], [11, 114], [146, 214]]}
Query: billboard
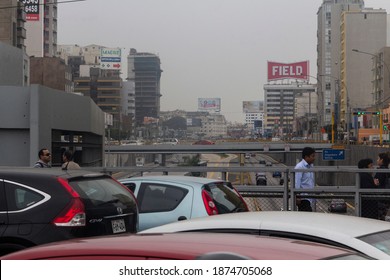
{"points": [[110, 58], [296, 70], [31, 7], [252, 106], [209, 104]]}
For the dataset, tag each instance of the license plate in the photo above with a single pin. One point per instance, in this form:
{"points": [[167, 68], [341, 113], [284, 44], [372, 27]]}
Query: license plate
{"points": [[118, 226]]}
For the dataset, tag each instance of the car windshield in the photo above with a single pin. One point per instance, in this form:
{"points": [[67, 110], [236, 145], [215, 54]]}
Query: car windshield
{"points": [[380, 240]]}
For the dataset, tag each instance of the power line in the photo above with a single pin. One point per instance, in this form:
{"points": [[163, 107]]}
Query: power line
{"points": [[43, 4]]}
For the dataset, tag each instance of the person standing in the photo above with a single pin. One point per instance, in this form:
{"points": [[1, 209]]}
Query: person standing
{"points": [[68, 164], [305, 180], [369, 205], [383, 163], [44, 159]]}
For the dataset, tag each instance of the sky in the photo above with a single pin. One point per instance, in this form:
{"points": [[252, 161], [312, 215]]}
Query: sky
{"points": [[207, 48]]}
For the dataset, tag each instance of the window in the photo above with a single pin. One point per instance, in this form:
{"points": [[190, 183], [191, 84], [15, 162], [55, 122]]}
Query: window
{"points": [[19, 197], [159, 198]]}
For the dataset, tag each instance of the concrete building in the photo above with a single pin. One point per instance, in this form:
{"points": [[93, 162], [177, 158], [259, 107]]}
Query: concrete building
{"points": [[14, 67], [32, 117], [328, 53], [356, 75], [280, 107], [51, 72], [144, 70], [12, 21], [41, 27]]}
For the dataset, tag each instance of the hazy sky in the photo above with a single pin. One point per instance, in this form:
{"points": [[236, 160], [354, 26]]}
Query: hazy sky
{"points": [[207, 48]]}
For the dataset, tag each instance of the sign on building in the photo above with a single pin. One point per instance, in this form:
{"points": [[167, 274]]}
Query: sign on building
{"points": [[110, 58], [209, 104], [31, 7], [296, 70], [252, 106]]}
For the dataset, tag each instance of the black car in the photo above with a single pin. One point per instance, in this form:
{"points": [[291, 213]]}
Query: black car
{"points": [[261, 179], [38, 206]]}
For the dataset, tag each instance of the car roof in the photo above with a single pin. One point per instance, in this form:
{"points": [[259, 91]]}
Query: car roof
{"points": [[45, 172], [174, 179], [181, 246], [340, 229]]}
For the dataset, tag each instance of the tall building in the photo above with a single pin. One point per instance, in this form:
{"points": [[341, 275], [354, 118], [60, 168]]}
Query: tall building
{"points": [[12, 23], [144, 70], [328, 54], [41, 28], [280, 102]]}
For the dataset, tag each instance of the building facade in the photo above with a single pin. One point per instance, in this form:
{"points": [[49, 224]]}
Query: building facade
{"points": [[12, 23], [145, 71]]}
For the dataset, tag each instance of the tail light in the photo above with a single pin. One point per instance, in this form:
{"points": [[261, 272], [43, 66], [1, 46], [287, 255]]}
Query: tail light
{"points": [[74, 214], [209, 204]]}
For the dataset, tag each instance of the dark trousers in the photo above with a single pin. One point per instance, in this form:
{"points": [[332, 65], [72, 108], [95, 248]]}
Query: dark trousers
{"points": [[304, 205]]}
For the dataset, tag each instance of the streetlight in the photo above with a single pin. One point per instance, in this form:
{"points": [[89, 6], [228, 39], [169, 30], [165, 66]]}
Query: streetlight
{"points": [[378, 101]]}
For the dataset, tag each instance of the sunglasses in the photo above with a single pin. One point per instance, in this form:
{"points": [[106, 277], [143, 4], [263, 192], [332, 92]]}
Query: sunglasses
{"points": [[47, 155]]}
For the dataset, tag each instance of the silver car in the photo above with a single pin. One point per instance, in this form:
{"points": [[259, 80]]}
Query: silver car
{"points": [[367, 236], [167, 199]]}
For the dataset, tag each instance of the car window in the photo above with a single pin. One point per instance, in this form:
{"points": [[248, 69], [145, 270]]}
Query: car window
{"points": [[380, 240], [225, 198], [98, 191], [159, 198], [19, 197], [130, 186]]}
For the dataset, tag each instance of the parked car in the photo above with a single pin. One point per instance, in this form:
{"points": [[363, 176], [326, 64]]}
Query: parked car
{"points": [[167, 199], [184, 246], [45, 205], [367, 236], [338, 205]]}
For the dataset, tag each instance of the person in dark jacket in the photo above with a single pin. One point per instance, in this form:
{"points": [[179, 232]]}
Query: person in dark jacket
{"points": [[383, 163], [369, 206]]}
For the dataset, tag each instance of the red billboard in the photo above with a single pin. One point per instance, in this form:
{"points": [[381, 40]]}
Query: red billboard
{"points": [[296, 70]]}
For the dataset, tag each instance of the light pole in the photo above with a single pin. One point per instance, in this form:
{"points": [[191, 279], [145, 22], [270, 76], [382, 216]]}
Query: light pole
{"points": [[378, 99]]}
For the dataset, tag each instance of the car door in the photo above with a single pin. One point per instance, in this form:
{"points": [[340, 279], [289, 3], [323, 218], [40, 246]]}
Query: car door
{"points": [[160, 204], [3, 209]]}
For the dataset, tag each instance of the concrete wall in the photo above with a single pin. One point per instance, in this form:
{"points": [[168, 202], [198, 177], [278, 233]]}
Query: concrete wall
{"points": [[33, 117], [14, 66]]}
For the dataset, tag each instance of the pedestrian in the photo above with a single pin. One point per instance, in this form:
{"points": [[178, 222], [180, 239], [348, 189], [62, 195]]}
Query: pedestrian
{"points": [[68, 164], [369, 205], [305, 180], [383, 161], [44, 159]]}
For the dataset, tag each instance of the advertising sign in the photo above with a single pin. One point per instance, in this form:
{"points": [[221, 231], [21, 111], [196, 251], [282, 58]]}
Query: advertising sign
{"points": [[279, 71], [209, 104], [252, 106], [110, 58], [31, 7], [333, 154]]}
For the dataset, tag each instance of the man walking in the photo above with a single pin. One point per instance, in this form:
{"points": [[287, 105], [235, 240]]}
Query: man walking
{"points": [[305, 180]]}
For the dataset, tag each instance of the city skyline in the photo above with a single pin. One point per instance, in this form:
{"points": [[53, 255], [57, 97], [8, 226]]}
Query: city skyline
{"points": [[219, 50]]}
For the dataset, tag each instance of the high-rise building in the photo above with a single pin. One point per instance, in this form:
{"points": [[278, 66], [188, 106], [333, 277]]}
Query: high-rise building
{"points": [[328, 54], [12, 23], [41, 28], [144, 70]]}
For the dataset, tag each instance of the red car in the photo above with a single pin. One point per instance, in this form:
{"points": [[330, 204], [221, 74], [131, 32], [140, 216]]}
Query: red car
{"points": [[203, 142], [184, 246]]}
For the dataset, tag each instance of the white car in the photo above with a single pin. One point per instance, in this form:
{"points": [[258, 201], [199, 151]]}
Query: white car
{"points": [[367, 236]]}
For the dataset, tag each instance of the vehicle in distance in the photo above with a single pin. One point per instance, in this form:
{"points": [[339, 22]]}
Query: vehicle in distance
{"points": [[367, 236], [262, 162], [277, 174], [184, 246], [167, 199], [261, 179], [203, 142], [46, 205], [338, 206], [268, 163]]}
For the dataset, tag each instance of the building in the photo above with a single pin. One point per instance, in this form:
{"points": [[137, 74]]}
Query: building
{"points": [[12, 23], [328, 52], [14, 67], [144, 70], [280, 103], [51, 72], [41, 27]]}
